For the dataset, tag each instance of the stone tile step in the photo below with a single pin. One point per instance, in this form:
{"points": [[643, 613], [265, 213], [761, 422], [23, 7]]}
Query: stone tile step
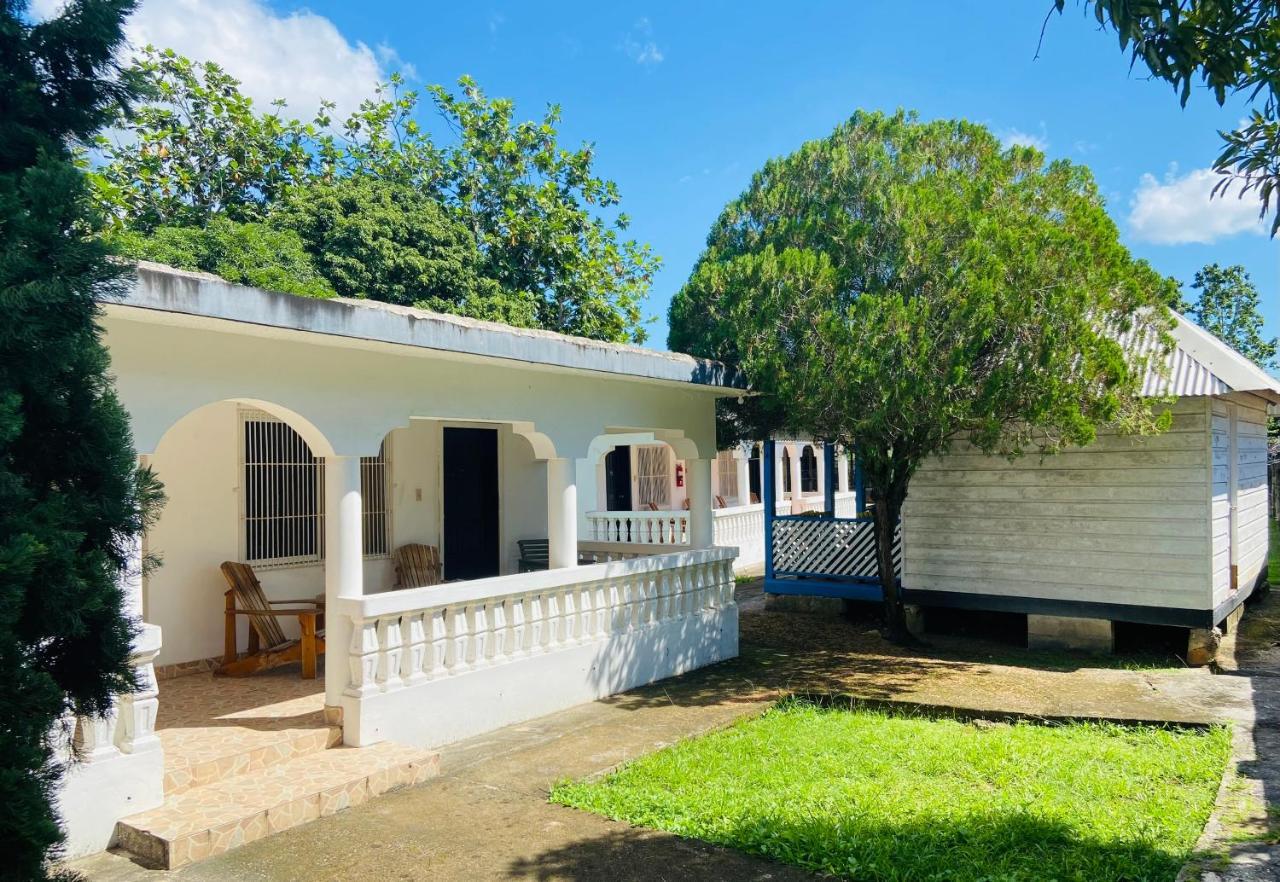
{"points": [[216, 754], [218, 817]]}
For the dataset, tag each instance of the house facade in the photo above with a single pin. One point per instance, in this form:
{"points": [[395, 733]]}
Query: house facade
{"points": [[310, 439]]}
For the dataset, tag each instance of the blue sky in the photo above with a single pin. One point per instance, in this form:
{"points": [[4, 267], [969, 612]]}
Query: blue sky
{"points": [[685, 100]]}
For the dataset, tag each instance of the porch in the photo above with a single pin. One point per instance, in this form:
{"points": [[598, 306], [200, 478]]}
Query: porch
{"points": [[312, 439]]}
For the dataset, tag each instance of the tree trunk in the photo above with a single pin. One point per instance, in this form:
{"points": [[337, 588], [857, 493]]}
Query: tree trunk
{"points": [[886, 513]]}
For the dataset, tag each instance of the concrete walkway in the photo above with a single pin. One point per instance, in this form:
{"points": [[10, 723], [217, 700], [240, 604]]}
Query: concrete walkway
{"points": [[487, 816]]}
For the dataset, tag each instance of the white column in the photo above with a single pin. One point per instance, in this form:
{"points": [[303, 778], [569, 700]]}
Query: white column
{"points": [[698, 481], [779, 480], [820, 451], [562, 513], [842, 470], [796, 490], [742, 462], [343, 566]]}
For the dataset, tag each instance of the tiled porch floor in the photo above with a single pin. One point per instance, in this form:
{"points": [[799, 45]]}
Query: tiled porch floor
{"points": [[215, 727]]}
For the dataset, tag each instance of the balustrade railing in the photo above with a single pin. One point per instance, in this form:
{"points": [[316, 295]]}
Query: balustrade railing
{"points": [[639, 527], [413, 636]]}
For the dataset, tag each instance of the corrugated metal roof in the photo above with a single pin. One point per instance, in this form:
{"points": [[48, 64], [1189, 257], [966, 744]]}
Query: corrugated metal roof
{"points": [[1201, 364]]}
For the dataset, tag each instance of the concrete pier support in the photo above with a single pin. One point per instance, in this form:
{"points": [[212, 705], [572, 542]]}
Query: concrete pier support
{"points": [[1065, 632]]}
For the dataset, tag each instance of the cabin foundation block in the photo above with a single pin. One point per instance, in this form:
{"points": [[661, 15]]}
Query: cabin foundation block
{"points": [[1066, 632], [915, 620], [1202, 646]]}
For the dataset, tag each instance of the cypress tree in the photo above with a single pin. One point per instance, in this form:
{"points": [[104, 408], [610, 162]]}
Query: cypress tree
{"points": [[71, 496]]}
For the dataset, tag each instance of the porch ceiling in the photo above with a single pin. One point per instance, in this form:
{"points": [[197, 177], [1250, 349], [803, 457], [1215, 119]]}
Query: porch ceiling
{"points": [[164, 295]]}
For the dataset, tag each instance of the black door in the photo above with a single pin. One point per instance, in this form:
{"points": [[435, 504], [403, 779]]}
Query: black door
{"points": [[470, 503], [753, 477], [617, 479]]}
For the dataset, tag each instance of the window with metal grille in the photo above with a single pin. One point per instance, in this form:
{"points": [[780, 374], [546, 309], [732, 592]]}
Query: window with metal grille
{"points": [[728, 474], [808, 471], [653, 476], [283, 496]]}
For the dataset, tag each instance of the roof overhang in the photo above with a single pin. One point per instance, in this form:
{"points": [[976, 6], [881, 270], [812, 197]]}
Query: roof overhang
{"points": [[163, 295]]}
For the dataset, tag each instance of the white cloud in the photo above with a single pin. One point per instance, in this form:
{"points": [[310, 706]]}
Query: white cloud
{"points": [[300, 57], [1019, 138], [639, 45], [1179, 210]]}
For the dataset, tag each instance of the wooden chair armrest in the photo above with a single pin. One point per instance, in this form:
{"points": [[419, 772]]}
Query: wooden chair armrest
{"points": [[311, 600], [271, 612]]}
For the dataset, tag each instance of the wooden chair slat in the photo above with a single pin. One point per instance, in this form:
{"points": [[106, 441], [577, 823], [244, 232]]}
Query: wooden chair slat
{"points": [[417, 566]]}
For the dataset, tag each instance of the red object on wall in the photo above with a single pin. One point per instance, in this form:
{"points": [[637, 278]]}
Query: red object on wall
{"points": [[679, 474]]}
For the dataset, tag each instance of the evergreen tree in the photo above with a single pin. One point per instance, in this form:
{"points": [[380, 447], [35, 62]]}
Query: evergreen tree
{"points": [[1229, 307], [71, 496]]}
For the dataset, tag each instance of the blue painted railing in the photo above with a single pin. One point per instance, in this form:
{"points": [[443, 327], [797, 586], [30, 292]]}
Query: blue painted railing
{"points": [[822, 555]]}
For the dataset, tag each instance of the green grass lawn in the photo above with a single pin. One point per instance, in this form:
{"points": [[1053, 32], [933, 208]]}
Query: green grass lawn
{"points": [[873, 796]]}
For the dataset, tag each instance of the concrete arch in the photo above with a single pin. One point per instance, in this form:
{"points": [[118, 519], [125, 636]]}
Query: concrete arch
{"points": [[685, 448], [316, 439]]}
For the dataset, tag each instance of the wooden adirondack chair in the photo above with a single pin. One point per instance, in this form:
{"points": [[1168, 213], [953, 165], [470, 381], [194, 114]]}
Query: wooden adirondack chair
{"points": [[268, 647], [417, 566]]}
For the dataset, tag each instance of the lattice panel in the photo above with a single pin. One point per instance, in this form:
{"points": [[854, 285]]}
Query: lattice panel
{"points": [[815, 546]]}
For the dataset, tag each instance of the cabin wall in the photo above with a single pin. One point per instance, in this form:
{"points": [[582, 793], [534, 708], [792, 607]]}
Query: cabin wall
{"points": [[1239, 476], [1123, 521]]}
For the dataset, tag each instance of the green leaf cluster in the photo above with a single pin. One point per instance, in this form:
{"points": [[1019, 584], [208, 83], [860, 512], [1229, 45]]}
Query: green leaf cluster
{"points": [[1232, 47], [72, 499], [902, 284], [1229, 307], [497, 221]]}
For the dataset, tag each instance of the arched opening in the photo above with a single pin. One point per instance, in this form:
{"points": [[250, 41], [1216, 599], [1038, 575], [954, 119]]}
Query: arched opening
{"points": [[754, 476], [808, 470], [786, 471]]}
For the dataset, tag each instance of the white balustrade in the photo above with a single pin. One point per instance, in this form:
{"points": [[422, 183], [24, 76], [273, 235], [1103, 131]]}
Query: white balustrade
{"points": [[419, 635], [639, 527]]}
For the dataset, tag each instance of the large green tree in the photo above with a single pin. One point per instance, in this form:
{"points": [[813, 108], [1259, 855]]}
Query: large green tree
{"points": [[543, 224], [71, 496], [1232, 47], [1229, 307], [900, 286]]}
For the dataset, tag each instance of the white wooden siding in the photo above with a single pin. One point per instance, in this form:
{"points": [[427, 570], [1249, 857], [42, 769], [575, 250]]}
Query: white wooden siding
{"points": [[1125, 520], [1251, 493]]}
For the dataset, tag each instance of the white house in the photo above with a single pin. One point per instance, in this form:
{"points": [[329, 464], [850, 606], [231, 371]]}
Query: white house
{"points": [[312, 438], [1168, 529]]}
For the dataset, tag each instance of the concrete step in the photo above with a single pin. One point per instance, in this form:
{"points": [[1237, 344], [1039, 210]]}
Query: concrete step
{"points": [[216, 754], [214, 818]]}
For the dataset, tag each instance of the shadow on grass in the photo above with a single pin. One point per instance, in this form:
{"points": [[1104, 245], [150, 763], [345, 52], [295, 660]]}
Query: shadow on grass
{"points": [[986, 846]]}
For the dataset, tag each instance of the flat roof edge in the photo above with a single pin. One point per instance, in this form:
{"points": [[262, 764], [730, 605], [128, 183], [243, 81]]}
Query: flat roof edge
{"points": [[165, 289]]}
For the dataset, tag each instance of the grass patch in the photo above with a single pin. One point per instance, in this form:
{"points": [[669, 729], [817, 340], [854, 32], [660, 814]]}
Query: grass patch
{"points": [[870, 795]]}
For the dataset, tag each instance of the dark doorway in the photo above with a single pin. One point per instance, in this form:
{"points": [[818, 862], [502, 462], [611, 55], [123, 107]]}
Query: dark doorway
{"points": [[753, 477], [470, 503], [617, 479]]}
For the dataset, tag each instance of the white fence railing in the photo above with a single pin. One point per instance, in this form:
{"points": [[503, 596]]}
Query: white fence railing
{"points": [[430, 665], [639, 527]]}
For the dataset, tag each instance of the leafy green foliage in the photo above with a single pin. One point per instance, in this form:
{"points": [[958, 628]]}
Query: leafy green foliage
{"points": [[533, 213], [375, 235], [1229, 307], [900, 284], [244, 253], [71, 496], [1233, 48], [867, 795]]}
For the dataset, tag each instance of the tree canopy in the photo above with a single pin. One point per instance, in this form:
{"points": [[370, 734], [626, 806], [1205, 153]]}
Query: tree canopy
{"points": [[526, 227], [1232, 47], [901, 285], [1229, 307], [71, 497]]}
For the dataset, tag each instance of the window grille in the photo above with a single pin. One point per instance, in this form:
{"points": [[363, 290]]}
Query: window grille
{"points": [[283, 496], [653, 476], [728, 474]]}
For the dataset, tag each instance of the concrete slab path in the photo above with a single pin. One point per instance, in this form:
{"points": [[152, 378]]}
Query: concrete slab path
{"points": [[487, 816]]}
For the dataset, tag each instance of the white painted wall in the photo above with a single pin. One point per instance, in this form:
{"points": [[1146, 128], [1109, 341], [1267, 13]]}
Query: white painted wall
{"points": [[1126, 520], [199, 527]]}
